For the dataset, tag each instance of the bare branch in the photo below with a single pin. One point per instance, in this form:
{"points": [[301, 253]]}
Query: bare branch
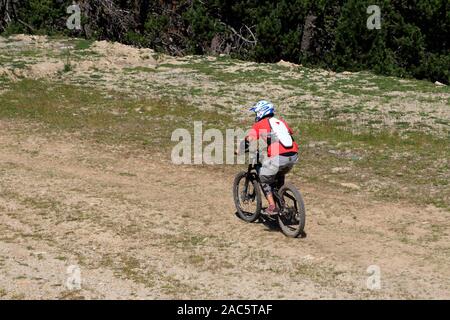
{"points": [[239, 35], [26, 25], [252, 34]]}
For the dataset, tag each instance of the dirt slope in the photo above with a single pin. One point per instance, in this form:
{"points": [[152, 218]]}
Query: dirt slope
{"points": [[140, 227]]}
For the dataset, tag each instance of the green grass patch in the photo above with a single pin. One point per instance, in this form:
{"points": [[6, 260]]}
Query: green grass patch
{"points": [[387, 84], [139, 69], [82, 44], [29, 53], [109, 117], [19, 64], [4, 79], [85, 53], [414, 160], [217, 72]]}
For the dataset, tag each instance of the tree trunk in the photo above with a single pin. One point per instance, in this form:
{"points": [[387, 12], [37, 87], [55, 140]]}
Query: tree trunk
{"points": [[308, 33]]}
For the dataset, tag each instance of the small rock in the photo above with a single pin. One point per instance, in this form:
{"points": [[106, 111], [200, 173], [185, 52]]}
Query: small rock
{"points": [[308, 257], [317, 144], [351, 185], [333, 152], [439, 83], [340, 169], [287, 64]]}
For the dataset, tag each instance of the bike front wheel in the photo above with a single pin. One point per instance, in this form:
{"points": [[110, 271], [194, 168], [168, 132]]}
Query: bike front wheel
{"points": [[247, 196], [292, 215]]}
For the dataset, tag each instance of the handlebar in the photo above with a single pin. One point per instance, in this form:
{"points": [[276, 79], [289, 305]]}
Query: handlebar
{"points": [[254, 155]]}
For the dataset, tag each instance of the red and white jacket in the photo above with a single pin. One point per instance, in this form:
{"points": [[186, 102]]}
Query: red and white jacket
{"points": [[276, 133]]}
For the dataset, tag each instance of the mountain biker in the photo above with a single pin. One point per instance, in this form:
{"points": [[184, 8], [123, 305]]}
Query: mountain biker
{"points": [[282, 150]]}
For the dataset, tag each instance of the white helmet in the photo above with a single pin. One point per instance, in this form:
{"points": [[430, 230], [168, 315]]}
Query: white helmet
{"points": [[262, 108]]}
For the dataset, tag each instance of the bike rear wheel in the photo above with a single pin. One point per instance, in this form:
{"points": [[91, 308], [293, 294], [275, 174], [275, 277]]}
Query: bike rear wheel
{"points": [[247, 196], [293, 214]]}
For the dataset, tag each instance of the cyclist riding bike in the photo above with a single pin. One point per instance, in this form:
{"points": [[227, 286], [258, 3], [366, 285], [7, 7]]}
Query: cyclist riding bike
{"points": [[282, 150]]}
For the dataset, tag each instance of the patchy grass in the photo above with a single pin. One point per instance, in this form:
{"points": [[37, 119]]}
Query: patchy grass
{"points": [[19, 64], [104, 116], [217, 73], [411, 166], [71, 295], [82, 44], [139, 69]]}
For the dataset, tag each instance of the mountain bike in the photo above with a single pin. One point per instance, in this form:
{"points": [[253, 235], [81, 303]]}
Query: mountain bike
{"points": [[248, 201]]}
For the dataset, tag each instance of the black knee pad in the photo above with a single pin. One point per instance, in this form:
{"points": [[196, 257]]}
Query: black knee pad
{"points": [[266, 183], [266, 188], [267, 179]]}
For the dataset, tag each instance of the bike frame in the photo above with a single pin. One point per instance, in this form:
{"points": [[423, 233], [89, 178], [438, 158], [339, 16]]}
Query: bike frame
{"points": [[289, 215], [252, 172]]}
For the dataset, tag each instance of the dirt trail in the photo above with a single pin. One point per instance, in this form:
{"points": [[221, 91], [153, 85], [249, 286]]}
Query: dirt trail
{"points": [[140, 227]]}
